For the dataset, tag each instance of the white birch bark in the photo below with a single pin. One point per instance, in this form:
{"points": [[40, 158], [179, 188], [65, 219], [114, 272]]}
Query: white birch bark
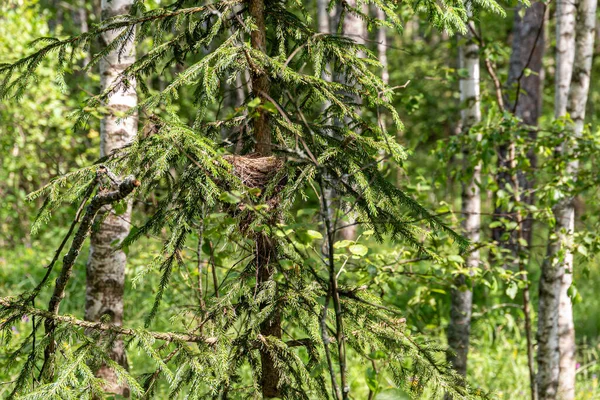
{"points": [[578, 95], [385, 74], [566, 11], [354, 28], [382, 45], [323, 17], [106, 265], [461, 299], [554, 308]]}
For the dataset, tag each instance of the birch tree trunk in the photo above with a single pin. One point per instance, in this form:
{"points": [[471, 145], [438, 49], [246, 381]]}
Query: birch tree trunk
{"points": [[461, 295], [382, 45], [354, 28], [106, 264], [566, 14], [577, 99], [555, 310], [385, 74], [323, 17]]}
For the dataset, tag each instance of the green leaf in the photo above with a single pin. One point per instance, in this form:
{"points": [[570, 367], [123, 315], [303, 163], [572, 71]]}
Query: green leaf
{"points": [[359, 249], [582, 250], [342, 243], [456, 258], [512, 290], [269, 107], [511, 225], [254, 102], [120, 208], [314, 234], [306, 211], [371, 378], [574, 295]]}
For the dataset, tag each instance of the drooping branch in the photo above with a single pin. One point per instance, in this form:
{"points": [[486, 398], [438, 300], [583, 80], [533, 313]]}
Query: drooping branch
{"points": [[100, 326], [101, 199]]}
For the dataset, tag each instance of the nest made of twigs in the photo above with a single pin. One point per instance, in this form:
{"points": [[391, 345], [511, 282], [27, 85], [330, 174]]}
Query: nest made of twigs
{"points": [[255, 171], [260, 173]]}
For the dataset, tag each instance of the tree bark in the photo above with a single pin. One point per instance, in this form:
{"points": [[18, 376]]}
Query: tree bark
{"points": [[566, 13], [461, 295], [106, 264], [265, 250], [323, 17], [577, 99], [80, 18], [554, 308], [385, 74], [382, 45], [354, 28], [525, 103], [260, 80]]}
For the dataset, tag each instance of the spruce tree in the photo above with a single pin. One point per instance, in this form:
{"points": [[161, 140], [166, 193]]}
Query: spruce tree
{"points": [[283, 321]]}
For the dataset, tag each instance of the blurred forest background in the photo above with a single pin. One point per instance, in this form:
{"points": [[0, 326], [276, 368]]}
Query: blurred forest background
{"points": [[521, 158]]}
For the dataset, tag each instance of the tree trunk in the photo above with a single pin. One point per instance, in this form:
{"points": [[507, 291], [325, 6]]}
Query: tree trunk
{"points": [[266, 254], [526, 104], [555, 313], [80, 18], [260, 80], [566, 13], [106, 265], [385, 74], [461, 295], [354, 28], [578, 96], [382, 45], [323, 17]]}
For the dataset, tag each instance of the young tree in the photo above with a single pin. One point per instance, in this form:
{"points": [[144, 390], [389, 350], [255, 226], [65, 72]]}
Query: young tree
{"points": [[106, 262], [283, 321]]}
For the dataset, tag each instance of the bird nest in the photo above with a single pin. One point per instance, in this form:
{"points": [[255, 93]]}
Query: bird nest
{"points": [[262, 173], [254, 171]]}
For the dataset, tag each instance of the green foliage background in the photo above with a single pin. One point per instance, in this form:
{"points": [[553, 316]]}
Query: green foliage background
{"points": [[38, 142]]}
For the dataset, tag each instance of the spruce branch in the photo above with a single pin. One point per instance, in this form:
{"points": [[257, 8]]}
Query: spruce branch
{"points": [[9, 303], [101, 199]]}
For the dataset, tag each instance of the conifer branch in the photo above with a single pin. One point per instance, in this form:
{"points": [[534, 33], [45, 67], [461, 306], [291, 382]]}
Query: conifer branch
{"points": [[102, 326], [101, 199]]}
